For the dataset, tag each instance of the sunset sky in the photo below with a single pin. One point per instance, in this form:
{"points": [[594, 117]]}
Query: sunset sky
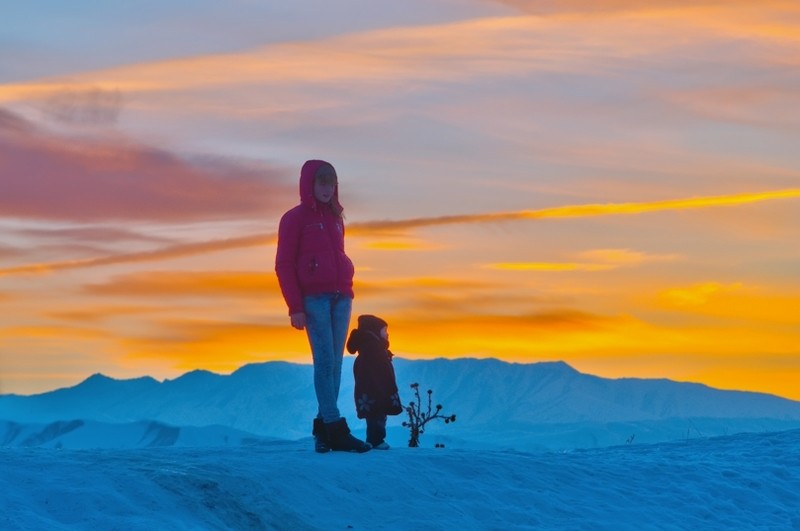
{"points": [[617, 187]]}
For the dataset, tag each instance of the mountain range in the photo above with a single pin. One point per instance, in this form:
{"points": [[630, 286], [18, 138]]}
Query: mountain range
{"points": [[532, 406]]}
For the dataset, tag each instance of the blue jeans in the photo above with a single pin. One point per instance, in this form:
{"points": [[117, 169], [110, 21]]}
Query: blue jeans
{"points": [[327, 324]]}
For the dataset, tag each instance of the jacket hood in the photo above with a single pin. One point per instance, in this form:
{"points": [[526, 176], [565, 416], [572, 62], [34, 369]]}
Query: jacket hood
{"points": [[360, 339], [372, 323], [307, 174]]}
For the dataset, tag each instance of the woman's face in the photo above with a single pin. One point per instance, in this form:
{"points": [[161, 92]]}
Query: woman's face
{"points": [[324, 187]]}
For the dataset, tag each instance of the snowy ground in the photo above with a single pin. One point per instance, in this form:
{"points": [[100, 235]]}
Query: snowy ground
{"points": [[745, 481]]}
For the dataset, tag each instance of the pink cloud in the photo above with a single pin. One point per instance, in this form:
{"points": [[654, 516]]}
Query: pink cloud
{"points": [[9, 252], [89, 180]]}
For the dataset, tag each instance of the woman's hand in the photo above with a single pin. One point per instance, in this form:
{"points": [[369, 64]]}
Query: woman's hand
{"points": [[298, 320]]}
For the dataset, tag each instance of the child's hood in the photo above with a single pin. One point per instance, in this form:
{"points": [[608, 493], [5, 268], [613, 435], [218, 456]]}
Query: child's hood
{"points": [[360, 341], [307, 174]]}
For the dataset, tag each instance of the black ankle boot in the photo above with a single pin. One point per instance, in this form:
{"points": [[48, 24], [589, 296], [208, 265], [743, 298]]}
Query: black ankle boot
{"points": [[340, 439], [321, 444]]}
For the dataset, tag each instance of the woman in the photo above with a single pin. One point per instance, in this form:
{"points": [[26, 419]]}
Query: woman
{"points": [[316, 279]]}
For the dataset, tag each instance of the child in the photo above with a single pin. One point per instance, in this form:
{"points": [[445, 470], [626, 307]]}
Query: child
{"points": [[316, 280], [375, 386]]}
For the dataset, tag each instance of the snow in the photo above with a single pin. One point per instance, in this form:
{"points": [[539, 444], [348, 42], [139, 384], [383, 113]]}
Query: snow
{"points": [[535, 446], [744, 481]]}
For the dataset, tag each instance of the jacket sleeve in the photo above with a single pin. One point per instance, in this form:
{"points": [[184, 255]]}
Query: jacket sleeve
{"points": [[286, 261]]}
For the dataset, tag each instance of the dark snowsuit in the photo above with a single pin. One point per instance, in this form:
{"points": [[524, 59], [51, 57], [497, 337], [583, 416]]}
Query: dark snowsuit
{"points": [[376, 392]]}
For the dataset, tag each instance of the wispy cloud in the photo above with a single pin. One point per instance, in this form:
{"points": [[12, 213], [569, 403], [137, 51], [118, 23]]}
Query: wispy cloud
{"points": [[752, 103], [400, 226], [90, 234], [389, 57], [176, 251]]}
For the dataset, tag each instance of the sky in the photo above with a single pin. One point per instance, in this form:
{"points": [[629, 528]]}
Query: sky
{"points": [[745, 481], [616, 186]]}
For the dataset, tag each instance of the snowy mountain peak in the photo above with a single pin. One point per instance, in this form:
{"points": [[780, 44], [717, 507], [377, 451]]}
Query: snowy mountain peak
{"points": [[497, 403]]}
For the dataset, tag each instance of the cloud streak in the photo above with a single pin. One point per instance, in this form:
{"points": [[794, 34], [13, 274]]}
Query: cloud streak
{"points": [[585, 211], [402, 226]]}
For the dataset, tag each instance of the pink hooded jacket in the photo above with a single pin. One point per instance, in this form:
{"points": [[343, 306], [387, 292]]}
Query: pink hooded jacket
{"points": [[310, 259]]}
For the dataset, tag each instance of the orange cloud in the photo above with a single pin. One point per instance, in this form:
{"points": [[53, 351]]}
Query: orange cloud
{"points": [[696, 295], [442, 295], [548, 266], [438, 317], [398, 245], [100, 313], [602, 260], [613, 346], [624, 257], [190, 344], [55, 333], [737, 302], [216, 345], [163, 284]]}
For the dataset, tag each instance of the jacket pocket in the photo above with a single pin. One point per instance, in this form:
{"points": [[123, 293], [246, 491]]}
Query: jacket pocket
{"points": [[348, 269], [316, 269]]}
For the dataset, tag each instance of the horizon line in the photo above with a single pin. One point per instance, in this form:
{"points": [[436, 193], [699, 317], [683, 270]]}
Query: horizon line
{"points": [[406, 359]]}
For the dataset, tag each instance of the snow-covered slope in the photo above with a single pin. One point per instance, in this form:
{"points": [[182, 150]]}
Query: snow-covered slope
{"points": [[79, 434], [742, 482]]}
